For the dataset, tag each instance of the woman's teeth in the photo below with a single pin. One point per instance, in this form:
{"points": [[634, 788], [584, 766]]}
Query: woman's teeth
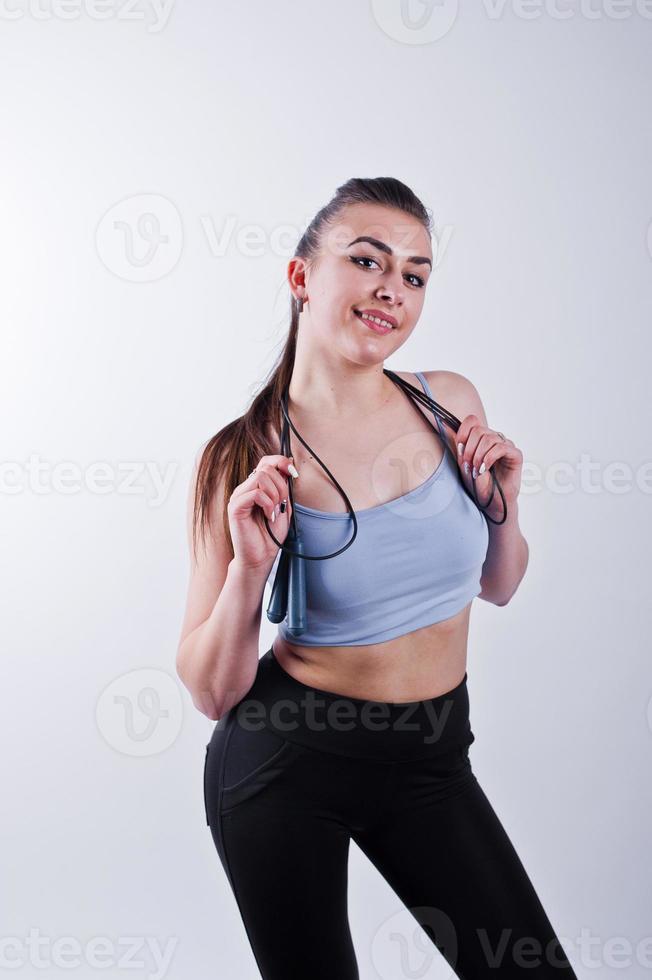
{"points": [[375, 319]]}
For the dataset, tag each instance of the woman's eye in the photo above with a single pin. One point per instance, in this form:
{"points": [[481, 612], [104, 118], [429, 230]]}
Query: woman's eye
{"points": [[418, 278], [367, 258], [362, 258]]}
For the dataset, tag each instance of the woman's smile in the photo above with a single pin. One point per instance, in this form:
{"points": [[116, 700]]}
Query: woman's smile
{"points": [[374, 323]]}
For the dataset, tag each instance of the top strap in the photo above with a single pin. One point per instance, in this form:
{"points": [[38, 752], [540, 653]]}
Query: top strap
{"points": [[426, 387]]}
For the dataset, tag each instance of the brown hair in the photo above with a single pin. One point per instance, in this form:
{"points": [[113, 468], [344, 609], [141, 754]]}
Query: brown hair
{"points": [[236, 448]]}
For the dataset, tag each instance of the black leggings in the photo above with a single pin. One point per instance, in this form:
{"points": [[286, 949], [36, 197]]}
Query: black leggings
{"points": [[292, 773]]}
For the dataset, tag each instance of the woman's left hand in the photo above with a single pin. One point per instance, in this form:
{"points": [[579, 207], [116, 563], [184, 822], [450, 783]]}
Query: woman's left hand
{"points": [[483, 448]]}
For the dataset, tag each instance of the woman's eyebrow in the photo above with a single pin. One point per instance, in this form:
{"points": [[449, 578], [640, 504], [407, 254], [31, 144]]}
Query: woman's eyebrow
{"points": [[419, 259]]}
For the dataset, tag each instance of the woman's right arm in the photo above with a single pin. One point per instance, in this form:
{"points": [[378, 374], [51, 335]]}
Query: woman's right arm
{"points": [[217, 661], [217, 656]]}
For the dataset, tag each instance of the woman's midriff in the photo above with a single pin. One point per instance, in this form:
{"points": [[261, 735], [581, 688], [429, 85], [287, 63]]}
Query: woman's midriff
{"points": [[415, 666]]}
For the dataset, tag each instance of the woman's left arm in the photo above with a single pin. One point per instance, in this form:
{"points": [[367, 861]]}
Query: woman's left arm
{"points": [[482, 447]]}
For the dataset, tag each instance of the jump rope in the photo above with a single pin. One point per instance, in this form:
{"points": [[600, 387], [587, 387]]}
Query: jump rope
{"points": [[288, 597]]}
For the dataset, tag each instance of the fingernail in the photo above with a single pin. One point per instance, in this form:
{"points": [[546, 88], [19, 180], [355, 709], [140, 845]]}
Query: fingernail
{"points": [[466, 467], [293, 470], [460, 448], [482, 469], [273, 515], [475, 473]]}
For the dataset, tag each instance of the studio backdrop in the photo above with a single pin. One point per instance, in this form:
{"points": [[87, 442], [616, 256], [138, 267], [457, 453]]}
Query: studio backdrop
{"points": [[160, 162]]}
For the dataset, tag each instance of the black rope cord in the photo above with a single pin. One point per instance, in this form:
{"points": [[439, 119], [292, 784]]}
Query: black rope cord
{"points": [[413, 394], [288, 598]]}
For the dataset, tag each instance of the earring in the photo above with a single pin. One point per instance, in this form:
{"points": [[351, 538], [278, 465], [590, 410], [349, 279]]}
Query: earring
{"points": [[300, 302]]}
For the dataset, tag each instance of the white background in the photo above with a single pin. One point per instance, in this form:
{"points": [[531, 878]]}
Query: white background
{"points": [[528, 135]]}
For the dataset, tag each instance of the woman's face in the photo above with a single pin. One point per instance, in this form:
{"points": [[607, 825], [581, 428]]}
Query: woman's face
{"points": [[388, 275]]}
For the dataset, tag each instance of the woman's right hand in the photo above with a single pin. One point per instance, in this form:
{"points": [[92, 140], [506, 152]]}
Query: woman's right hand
{"points": [[261, 493]]}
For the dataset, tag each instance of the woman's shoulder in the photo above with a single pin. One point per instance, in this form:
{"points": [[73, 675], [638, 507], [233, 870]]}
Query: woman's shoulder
{"points": [[455, 392], [449, 382]]}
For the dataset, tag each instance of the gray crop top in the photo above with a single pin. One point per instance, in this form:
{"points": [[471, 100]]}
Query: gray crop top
{"points": [[416, 560]]}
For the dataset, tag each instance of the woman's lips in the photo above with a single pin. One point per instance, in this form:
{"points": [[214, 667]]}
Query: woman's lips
{"points": [[376, 327]]}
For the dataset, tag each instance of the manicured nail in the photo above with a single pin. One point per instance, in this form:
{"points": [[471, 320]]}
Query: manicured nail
{"points": [[293, 470], [460, 448], [475, 472], [482, 469], [466, 467], [273, 515]]}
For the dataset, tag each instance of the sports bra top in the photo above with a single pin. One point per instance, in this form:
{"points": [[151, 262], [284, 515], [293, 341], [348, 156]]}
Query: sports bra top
{"points": [[416, 560]]}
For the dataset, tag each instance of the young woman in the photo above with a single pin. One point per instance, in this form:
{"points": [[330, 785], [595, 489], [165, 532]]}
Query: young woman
{"points": [[358, 727]]}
